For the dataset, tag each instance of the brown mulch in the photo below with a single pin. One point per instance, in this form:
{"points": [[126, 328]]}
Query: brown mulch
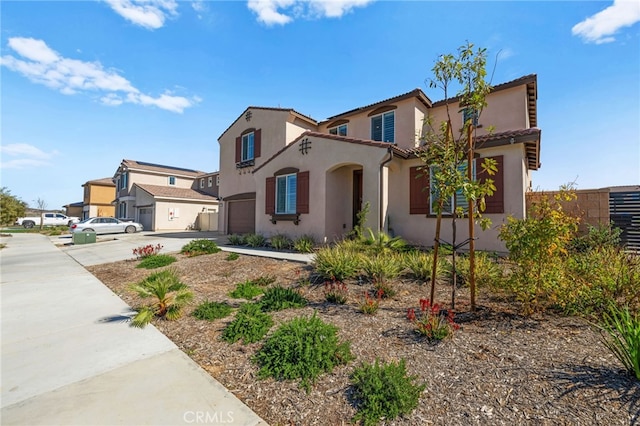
{"points": [[499, 368]]}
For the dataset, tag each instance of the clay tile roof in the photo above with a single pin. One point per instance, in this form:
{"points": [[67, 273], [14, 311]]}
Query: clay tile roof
{"points": [[141, 165], [173, 192], [417, 93], [103, 181], [289, 110]]}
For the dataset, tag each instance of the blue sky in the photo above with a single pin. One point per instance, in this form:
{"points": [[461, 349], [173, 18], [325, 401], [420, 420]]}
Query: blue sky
{"points": [[86, 84]]}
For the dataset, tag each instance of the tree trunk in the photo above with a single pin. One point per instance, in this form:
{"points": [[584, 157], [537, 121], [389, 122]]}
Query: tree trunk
{"points": [[472, 244]]}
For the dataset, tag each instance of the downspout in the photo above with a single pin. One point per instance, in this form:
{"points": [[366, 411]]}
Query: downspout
{"points": [[380, 195]]}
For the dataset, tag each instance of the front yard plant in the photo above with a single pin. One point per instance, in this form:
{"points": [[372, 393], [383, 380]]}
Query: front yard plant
{"points": [[380, 268], [211, 311], [147, 250], [432, 322], [384, 391], [156, 261], [246, 290], [250, 325], [621, 335], [304, 244], [370, 305], [200, 247], [336, 292], [279, 298], [255, 240], [281, 242], [337, 263], [302, 348], [169, 295], [237, 240]]}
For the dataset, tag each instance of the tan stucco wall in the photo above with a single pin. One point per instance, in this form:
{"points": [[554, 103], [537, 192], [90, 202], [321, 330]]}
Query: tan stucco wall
{"points": [[188, 215], [156, 179], [278, 129], [506, 110], [419, 229], [330, 202], [408, 123]]}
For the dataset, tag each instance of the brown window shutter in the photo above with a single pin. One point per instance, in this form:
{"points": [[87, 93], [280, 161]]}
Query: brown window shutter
{"points": [[495, 202], [238, 149], [418, 195], [302, 194], [257, 139], [270, 202]]}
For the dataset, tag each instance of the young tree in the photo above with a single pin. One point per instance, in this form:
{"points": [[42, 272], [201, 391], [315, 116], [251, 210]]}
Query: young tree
{"points": [[11, 207], [448, 159], [42, 206]]}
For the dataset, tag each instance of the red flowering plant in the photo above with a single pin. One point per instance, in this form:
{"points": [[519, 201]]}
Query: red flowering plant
{"points": [[370, 305], [336, 292], [146, 251], [432, 322]]}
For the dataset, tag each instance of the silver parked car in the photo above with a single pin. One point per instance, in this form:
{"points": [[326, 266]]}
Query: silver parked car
{"points": [[105, 225]]}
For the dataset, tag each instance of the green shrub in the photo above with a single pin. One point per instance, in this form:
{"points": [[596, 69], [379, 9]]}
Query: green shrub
{"points": [[370, 305], [488, 272], [281, 242], [279, 298], [597, 238], [236, 240], [421, 264], [337, 263], [199, 247], [255, 240], [384, 391], [304, 244], [336, 292], [232, 256], [381, 267], [302, 348], [211, 311], [599, 278], [431, 322], [246, 290], [156, 261], [250, 325], [169, 294], [382, 242], [622, 337]]}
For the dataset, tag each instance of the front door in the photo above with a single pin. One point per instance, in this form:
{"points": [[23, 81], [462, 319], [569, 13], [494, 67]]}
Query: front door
{"points": [[357, 195]]}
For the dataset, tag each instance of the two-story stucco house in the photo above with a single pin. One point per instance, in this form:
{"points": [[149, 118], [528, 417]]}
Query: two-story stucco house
{"points": [[163, 197], [283, 172], [98, 198]]}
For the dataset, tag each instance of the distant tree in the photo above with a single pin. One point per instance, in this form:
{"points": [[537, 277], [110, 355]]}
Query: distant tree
{"points": [[11, 207], [42, 206]]}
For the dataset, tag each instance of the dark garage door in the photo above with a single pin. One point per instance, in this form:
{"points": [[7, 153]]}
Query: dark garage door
{"points": [[242, 216]]}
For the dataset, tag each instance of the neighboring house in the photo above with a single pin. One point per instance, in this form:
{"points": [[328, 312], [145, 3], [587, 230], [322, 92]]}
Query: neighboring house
{"points": [[98, 198], [162, 197], [283, 172], [73, 209]]}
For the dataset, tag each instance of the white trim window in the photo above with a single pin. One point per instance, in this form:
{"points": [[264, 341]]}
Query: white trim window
{"points": [[210, 181], [123, 180], [460, 200], [172, 181], [217, 180], [202, 183], [339, 130], [286, 194], [247, 146], [383, 127]]}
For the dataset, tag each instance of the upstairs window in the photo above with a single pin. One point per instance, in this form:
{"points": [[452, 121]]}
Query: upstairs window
{"points": [[123, 180], [286, 194], [210, 181], [202, 183], [172, 180], [218, 180], [247, 146], [383, 127], [339, 130]]}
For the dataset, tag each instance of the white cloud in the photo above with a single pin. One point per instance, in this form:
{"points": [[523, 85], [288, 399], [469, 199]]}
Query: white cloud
{"points": [[43, 65], [282, 12], [149, 14], [601, 27], [29, 156]]}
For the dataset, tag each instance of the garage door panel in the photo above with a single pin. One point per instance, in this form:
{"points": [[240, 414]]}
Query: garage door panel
{"points": [[242, 216]]}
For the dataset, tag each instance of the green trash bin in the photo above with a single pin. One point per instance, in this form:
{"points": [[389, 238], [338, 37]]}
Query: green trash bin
{"points": [[85, 237]]}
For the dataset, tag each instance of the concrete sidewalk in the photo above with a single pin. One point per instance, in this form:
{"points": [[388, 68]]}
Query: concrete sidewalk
{"points": [[63, 363]]}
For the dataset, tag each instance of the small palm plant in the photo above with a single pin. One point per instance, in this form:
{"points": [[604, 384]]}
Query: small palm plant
{"points": [[169, 294]]}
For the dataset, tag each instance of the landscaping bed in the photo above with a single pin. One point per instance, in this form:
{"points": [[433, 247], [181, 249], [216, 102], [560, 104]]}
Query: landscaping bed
{"points": [[498, 368]]}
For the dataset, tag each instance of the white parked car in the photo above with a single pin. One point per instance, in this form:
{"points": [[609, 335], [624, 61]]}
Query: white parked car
{"points": [[50, 219], [105, 225]]}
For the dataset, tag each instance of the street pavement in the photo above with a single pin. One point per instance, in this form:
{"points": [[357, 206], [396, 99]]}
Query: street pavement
{"points": [[70, 358]]}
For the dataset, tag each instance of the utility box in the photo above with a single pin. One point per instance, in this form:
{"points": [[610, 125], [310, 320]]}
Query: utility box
{"points": [[84, 237]]}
